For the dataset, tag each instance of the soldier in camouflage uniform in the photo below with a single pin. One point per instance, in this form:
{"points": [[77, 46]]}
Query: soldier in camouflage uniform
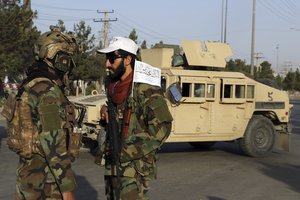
{"points": [[41, 122], [144, 123]]}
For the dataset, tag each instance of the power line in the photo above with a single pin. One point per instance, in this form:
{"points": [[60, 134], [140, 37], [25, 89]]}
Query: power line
{"points": [[277, 12], [55, 15], [291, 7], [66, 20], [62, 8], [146, 28]]}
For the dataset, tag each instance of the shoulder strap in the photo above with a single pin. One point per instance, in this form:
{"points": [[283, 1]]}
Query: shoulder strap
{"points": [[38, 86]]}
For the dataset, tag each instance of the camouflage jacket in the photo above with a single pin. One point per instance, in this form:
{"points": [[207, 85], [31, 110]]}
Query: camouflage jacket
{"points": [[149, 126], [51, 163]]}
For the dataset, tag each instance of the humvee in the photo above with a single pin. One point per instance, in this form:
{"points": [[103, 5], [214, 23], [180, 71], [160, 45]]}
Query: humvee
{"points": [[210, 105], [92, 133]]}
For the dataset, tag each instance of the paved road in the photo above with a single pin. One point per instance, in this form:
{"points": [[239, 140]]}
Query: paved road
{"points": [[222, 173]]}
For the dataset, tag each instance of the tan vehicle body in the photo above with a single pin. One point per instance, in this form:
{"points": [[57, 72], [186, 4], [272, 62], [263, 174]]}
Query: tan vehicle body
{"points": [[91, 129], [218, 105]]}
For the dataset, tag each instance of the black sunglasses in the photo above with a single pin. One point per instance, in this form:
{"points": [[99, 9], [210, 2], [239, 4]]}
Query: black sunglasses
{"points": [[112, 57]]}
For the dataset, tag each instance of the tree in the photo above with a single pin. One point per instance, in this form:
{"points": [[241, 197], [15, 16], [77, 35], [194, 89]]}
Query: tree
{"points": [[144, 45], [133, 35], [289, 81], [84, 36], [278, 80], [61, 25], [88, 64], [297, 80], [17, 38], [238, 65], [266, 71]]}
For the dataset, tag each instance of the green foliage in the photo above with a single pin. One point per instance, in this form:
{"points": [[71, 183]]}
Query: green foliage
{"points": [[238, 65], [133, 35], [16, 39], [89, 68], [88, 63], [292, 81], [61, 25], [297, 80], [84, 36], [278, 80], [265, 71], [90, 88], [144, 45], [265, 74]]}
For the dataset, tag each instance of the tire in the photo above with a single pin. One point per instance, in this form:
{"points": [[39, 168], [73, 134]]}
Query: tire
{"points": [[202, 145], [259, 137]]}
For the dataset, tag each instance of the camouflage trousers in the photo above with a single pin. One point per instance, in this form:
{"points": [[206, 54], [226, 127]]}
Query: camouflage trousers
{"points": [[32, 181], [130, 188], [50, 192]]}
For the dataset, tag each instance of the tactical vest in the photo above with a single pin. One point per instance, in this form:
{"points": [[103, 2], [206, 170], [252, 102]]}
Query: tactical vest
{"points": [[23, 135]]}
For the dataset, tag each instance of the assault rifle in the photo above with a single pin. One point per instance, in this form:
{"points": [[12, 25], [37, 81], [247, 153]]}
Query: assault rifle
{"points": [[115, 139]]}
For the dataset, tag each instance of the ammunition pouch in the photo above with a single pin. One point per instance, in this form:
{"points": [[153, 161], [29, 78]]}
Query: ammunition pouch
{"points": [[22, 134], [72, 131]]}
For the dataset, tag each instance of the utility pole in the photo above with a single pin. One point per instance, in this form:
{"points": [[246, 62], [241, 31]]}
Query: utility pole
{"points": [[224, 21], [253, 38], [257, 63], [225, 28], [106, 21]]}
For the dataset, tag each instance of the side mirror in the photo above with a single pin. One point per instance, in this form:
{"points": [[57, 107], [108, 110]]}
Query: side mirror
{"points": [[175, 93]]}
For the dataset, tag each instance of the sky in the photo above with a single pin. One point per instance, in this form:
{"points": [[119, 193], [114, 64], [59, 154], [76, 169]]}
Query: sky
{"points": [[277, 23]]}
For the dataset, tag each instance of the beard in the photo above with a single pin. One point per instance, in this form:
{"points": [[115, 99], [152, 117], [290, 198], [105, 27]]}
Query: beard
{"points": [[118, 73]]}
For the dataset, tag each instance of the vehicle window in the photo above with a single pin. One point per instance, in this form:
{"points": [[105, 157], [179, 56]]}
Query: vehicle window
{"points": [[210, 91], [250, 91], [228, 91], [240, 91], [199, 90], [186, 88]]}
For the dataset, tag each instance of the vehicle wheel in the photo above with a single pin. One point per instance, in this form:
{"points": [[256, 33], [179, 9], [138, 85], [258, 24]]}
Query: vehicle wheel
{"points": [[202, 145], [259, 137]]}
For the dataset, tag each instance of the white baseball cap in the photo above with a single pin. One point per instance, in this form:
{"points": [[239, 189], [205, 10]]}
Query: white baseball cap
{"points": [[122, 43]]}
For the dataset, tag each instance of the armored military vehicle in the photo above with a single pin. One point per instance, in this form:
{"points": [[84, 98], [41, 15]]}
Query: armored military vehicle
{"points": [[92, 133], [209, 104]]}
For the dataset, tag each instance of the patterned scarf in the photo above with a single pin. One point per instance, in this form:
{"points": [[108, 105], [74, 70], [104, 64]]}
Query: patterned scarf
{"points": [[119, 90]]}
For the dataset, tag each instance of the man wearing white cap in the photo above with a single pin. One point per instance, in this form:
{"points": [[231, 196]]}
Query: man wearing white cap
{"points": [[137, 122]]}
